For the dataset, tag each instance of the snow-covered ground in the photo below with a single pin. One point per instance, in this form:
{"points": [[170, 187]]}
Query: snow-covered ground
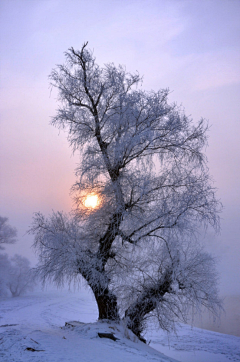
{"points": [[32, 330]]}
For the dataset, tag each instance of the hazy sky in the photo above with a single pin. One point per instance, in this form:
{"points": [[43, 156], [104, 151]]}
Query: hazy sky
{"points": [[191, 47]]}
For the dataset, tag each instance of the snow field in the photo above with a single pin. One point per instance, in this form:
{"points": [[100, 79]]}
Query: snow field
{"points": [[32, 329]]}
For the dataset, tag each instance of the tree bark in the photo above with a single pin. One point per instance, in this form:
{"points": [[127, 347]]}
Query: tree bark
{"points": [[107, 305]]}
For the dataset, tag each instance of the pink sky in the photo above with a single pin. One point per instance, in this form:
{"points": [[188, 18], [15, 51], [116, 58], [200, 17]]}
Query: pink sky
{"points": [[192, 47]]}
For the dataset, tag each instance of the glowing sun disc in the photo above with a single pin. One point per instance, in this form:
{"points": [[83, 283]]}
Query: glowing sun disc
{"points": [[91, 201]]}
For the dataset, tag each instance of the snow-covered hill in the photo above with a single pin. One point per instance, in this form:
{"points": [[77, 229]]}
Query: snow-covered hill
{"points": [[32, 329]]}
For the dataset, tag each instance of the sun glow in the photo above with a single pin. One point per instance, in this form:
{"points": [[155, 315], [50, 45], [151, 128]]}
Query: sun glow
{"points": [[91, 201]]}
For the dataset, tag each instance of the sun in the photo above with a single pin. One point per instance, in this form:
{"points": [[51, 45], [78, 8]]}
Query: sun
{"points": [[91, 201]]}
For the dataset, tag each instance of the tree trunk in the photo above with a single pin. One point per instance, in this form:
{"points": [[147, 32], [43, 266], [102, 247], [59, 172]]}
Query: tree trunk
{"points": [[107, 305], [136, 313], [146, 303]]}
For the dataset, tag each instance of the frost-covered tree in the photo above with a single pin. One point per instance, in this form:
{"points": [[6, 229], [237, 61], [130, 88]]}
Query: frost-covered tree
{"points": [[16, 276], [5, 266], [21, 277], [7, 232], [142, 162]]}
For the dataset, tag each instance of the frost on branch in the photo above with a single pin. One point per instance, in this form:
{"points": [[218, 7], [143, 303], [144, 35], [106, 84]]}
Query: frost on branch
{"points": [[138, 248], [174, 279]]}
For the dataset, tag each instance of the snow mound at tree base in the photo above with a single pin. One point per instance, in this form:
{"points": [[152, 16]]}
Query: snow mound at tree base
{"points": [[101, 329]]}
